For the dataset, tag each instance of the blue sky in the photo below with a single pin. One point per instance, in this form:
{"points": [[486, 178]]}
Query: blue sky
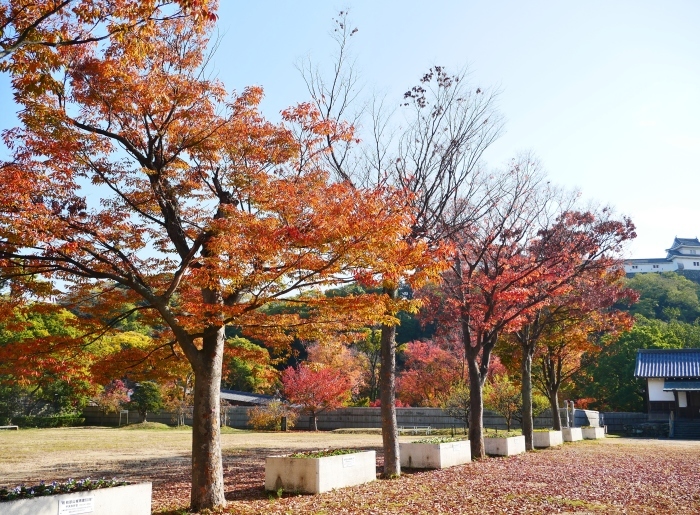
{"points": [[605, 93]]}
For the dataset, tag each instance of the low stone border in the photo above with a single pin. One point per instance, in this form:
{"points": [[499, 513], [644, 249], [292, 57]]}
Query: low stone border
{"points": [[316, 475], [119, 500], [435, 455]]}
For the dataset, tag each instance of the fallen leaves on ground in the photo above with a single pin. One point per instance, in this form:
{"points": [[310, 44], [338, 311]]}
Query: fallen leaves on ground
{"points": [[615, 476]]}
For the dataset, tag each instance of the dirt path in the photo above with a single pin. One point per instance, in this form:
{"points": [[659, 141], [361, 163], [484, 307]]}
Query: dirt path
{"points": [[56, 454]]}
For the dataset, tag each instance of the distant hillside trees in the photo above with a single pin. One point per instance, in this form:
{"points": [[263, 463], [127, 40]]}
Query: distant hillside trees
{"points": [[608, 379], [666, 296]]}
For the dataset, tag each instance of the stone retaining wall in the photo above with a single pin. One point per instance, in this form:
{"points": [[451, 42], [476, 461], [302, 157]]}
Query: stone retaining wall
{"points": [[237, 416]]}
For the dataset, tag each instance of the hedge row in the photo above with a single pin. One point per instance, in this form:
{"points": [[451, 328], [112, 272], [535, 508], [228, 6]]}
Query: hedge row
{"points": [[42, 422]]}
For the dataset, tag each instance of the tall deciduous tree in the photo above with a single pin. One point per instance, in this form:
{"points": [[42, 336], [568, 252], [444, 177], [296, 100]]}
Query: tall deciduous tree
{"points": [[435, 157], [136, 178]]}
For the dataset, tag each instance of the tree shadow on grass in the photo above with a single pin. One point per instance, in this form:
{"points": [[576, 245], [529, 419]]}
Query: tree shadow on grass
{"points": [[244, 474]]}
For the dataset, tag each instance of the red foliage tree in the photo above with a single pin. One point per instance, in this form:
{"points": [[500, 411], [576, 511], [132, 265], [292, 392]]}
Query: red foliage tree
{"points": [[316, 389], [114, 397], [525, 250], [587, 283], [430, 372]]}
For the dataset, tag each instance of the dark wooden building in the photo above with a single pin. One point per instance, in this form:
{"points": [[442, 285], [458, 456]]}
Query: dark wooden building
{"points": [[673, 385]]}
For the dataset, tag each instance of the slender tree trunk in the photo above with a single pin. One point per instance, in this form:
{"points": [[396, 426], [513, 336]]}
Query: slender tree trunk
{"points": [[387, 395], [551, 380], [476, 409], [526, 391], [313, 422], [554, 403], [207, 469]]}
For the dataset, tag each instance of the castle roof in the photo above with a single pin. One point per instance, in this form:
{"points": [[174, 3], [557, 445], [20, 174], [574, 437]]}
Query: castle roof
{"points": [[685, 242]]}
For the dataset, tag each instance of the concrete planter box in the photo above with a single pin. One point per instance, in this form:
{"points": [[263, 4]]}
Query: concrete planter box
{"points": [[118, 500], [504, 446], [572, 434], [544, 439], [316, 475], [593, 433], [435, 455]]}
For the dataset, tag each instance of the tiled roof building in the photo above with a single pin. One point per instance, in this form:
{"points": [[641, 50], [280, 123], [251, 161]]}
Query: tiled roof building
{"points": [[673, 381], [684, 254]]}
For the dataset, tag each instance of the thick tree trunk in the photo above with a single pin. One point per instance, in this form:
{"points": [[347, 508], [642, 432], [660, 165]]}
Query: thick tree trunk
{"points": [[207, 469], [387, 395], [526, 392], [554, 403], [476, 409]]}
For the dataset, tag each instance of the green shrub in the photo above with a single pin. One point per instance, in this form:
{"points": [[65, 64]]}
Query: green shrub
{"points": [[436, 440], [324, 453], [45, 422]]}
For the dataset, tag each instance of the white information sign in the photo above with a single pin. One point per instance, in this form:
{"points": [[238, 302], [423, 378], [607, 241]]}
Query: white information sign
{"points": [[348, 461], [76, 506]]}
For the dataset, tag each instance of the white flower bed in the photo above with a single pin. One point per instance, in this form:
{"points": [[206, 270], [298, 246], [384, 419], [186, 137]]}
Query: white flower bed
{"points": [[496, 446], [315, 475], [572, 434], [593, 433], [119, 500], [544, 439], [435, 455]]}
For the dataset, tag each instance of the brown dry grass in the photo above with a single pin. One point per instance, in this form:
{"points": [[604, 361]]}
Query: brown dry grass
{"points": [[614, 476]]}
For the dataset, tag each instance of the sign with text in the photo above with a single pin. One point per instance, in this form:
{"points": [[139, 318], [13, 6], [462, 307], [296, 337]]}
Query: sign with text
{"points": [[348, 461], [76, 506]]}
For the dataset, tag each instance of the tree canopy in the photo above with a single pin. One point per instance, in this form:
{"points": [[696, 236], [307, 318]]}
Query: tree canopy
{"points": [[139, 184]]}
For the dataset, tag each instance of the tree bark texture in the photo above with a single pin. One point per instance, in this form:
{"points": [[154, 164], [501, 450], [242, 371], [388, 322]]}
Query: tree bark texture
{"points": [[387, 395], [526, 391], [476, 409], [207, 468], [554, 403], [551, 379]]}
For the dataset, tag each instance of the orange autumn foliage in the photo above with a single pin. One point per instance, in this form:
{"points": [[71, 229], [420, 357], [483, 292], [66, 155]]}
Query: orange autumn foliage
{"points": [[141, 186]]}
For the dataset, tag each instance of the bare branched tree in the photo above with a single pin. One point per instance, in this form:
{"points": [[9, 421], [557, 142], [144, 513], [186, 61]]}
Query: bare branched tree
{"points": [[447, 126]]}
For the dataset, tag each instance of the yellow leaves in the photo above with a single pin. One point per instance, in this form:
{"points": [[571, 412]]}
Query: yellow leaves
{"points": [[114, 343]]}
